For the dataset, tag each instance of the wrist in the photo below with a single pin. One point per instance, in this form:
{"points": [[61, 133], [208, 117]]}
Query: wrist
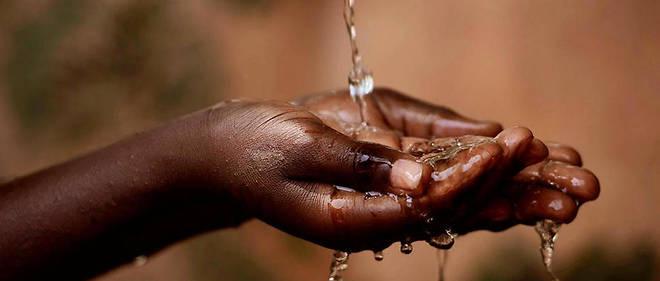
{"points": [[190, 156]]}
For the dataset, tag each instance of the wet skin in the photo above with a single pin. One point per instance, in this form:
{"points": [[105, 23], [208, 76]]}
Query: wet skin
{"points": [[280, 163], [518, 179]]}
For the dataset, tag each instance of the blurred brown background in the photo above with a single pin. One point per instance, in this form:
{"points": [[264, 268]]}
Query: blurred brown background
{"points": [[76, 75]]}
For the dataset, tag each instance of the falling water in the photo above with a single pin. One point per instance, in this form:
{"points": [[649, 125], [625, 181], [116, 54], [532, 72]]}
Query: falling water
{"points": [[360, 80], [338, 265], [442, 256], [548, 230]]}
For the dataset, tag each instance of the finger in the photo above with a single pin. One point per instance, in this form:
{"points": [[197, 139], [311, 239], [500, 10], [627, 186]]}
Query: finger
{"points": [[380, 136], [536, 151], [335, 158], [515, 143], [564, 153], [575, 181], [536, 204], [420, 119], [454, 177], [339, 219], [527, 207], [520, 147], [497, 214]]}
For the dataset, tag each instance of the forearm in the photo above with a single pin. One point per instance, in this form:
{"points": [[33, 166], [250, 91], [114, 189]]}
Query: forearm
{"points": [[90, 214]]}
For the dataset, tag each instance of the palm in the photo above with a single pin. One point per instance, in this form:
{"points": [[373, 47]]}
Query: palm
{"points": [[397, 121], [393, 115]]}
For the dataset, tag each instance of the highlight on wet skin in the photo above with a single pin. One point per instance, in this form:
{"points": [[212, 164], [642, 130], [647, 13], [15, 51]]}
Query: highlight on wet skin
{"points": [[477, 182]]}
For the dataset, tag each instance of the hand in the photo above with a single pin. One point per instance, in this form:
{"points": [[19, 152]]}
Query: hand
{"points": [[393, 115], [537, 192], [552, 189], [281, 164]]}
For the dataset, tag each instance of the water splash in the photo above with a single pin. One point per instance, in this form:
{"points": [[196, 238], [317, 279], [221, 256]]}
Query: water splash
{"points": [[445, 149]]}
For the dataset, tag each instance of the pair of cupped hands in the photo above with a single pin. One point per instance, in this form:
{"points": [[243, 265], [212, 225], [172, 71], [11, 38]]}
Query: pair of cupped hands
{"points": [[302, 167]]}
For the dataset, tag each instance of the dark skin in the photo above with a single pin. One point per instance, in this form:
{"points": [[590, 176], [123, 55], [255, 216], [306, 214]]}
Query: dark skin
{"points": [[279, 163], [529, 183]]}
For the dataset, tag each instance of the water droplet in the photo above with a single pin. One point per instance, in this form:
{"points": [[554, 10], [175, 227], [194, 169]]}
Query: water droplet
{"points": [[341, 256], [140, 260], [393, 197], [409, 201], [372, 194], [443, 241], [430, 220], [378, 255], [339, 263], [343, 188], [406, 247]]}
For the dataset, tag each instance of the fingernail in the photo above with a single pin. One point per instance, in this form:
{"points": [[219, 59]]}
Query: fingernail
{"points": [[406, 175]]}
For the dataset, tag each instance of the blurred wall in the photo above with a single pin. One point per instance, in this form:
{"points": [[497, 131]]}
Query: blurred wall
{"points": [[585, 73]]}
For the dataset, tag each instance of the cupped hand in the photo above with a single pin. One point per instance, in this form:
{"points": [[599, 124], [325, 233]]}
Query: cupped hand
{"points": [[302, 168], [552, 189], [281, 164]]}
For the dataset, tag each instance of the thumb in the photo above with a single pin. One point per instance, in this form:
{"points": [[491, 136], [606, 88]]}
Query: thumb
{"points": [[340, 160]]}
